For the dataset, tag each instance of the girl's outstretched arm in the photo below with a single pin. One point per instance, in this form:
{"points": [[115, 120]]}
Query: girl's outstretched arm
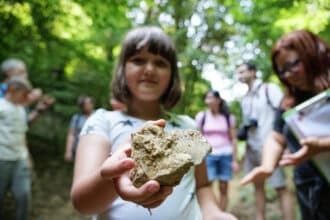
{"points": [[92, 189]]}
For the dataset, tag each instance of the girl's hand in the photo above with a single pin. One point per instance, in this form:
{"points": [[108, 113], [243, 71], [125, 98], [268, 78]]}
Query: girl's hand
{"points": [[116, 167], [259, 173], [235, 166], [309, 148]]}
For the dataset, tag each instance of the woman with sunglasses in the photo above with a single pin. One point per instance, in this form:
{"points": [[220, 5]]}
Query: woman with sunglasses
{"points": [[301, 60]]}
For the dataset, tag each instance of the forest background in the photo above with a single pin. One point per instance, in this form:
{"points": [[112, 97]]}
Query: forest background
{"points": [[71, 46]]}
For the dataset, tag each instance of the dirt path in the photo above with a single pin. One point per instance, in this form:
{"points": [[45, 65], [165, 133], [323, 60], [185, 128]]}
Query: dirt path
{"points": [[51, 196]]}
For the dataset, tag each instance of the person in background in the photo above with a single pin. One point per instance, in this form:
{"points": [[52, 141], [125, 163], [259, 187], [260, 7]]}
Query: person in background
{"points": [[146, 80], [86, 106], [258, 108], [217, 125], [11, 68], [14, 155], [16, 68], [301, 60]]}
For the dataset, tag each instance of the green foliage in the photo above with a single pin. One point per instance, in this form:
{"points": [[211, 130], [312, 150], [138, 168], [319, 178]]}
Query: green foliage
{"points": [[70, 46]]}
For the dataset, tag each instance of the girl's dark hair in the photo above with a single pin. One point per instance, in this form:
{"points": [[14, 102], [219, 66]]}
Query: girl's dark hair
{"points": [[315, 56], [156, 42], [223, 107]]}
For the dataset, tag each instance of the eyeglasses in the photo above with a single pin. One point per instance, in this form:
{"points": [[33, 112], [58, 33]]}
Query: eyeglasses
{"points": [[289, 67]]}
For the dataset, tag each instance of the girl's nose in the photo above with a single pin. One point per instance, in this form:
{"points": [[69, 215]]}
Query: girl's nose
{"points": [[149, 67]]}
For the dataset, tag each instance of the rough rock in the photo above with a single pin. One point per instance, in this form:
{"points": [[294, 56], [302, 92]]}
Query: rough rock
{"points": [[165, 156]]}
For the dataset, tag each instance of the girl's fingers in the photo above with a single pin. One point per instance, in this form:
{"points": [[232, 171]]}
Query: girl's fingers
{"points": [[129, 192], [157, 198], [153, 205], [117, 168], [160, 122], [117, 164]]}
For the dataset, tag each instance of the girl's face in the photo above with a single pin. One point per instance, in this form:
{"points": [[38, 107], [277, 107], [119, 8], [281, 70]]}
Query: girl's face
{"points": [[147, 76], [211, 101], [291, 68]]}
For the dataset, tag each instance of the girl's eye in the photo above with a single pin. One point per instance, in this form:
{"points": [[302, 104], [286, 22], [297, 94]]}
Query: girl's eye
{"points": [[161, 63], [138, 60]]}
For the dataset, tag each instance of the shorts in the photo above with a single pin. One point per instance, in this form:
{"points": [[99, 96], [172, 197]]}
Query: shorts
{"points": [[219, 167], [252, 159]]}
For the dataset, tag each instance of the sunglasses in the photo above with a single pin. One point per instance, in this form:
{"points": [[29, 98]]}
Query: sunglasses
{"points": [[289, 67]]}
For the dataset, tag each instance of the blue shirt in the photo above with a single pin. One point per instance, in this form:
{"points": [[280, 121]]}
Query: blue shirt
{"points": [[3, 88]]}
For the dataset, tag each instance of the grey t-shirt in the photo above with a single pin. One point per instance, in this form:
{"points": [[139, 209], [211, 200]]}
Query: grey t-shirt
{"points": [[13, 126], [255, 105], [117, 127]]}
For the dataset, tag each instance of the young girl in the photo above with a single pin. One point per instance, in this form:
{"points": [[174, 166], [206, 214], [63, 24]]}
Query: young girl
{"points": [[147, 81], [218, 127], [301, 61]]}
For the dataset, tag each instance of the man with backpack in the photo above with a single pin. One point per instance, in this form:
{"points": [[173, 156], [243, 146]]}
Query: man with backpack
{"points": [[258, 111]]}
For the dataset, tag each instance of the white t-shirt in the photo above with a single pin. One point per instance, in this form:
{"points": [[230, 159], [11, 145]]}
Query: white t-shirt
{"points": [[13, 126], [254, 105], [117, 127]]}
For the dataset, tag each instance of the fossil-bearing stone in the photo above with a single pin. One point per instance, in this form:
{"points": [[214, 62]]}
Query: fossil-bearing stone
{"points": [[165, 156]]}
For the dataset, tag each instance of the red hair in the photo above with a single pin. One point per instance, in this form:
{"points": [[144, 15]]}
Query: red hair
{"points": [[314, 53]]}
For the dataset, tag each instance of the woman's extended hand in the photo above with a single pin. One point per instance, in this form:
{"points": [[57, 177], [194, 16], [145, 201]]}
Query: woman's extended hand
{"points": [[259, 173], [309, 147]]}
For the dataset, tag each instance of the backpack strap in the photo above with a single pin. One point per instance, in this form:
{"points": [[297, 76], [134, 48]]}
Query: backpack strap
{"points": [[227, 122], [203, 122], [267, 97], [228, 125]]}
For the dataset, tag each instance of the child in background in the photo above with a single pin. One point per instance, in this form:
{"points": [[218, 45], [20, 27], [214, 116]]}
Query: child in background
{"points": [[14, 164], [147, 81]]}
